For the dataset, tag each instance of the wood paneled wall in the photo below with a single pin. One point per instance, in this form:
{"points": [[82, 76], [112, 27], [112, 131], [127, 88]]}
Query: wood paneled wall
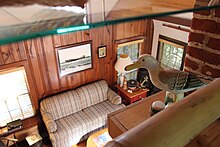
{"points": [[40, 56]]}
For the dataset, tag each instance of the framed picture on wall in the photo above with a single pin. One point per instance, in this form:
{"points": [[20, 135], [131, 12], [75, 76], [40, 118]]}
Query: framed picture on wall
{"points": [[102, 51], [74, 58]]}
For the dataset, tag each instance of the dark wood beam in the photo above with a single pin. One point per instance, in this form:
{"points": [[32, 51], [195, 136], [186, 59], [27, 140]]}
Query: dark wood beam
{"points": [[176, 20]]}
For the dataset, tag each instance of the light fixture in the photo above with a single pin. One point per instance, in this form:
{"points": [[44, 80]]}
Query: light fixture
{"points": [[120, 65]]}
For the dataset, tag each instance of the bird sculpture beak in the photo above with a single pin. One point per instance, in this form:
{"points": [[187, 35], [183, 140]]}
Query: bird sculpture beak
{"points": [[133, 66]]}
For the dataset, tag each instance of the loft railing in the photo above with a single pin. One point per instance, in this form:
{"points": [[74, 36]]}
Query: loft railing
{"points": [[178, 124]]}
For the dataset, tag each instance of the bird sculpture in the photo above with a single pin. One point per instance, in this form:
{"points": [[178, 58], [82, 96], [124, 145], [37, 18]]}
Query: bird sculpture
{"points": [[167, 79]]}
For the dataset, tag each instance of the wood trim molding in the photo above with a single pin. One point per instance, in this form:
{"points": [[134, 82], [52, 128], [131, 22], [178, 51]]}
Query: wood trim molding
{"points": [[12, 65], [130, 39], [176, 27], [176, 20]]}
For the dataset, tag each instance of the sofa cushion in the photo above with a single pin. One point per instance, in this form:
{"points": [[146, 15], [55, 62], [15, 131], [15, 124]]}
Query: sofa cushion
{"points": [[93, 93], [70, 129], [100, 111], [62, 104]]}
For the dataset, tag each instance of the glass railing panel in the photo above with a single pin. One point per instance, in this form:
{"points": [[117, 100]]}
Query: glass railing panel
{"points": [[20, 23]]}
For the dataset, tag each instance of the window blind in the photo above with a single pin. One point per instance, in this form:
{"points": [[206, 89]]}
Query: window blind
{"points": [[15, 100]]}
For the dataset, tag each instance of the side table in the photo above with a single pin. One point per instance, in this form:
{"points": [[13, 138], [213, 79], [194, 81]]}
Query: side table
{"points": [[131, 97]]}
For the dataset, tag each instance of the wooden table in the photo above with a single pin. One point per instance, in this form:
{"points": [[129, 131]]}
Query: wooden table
{"points": [[90, 142], [130, 116], [131, 97]]}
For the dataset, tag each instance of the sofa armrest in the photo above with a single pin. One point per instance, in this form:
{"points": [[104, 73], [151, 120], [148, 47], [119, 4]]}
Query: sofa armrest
{"points": [[49, 122], [114, 97]]}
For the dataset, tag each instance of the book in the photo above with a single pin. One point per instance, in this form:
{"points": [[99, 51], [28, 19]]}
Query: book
{"points": [[101, 140], [14, 124], [33, 138]]}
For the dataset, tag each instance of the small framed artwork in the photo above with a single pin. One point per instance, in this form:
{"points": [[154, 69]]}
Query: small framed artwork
{"points": [[102, 51], [74, 58]]}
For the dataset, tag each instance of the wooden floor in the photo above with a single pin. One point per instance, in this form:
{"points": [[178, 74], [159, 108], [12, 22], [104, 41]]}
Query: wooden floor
{"points": [[210, 137]]}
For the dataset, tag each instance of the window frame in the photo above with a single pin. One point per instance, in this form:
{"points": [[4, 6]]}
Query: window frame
{"points": [[125, 41], [174, 41], [32, 90]]}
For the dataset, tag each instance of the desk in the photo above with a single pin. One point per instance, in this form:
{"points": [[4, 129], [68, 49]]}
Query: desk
{"points": [[130, 116]]}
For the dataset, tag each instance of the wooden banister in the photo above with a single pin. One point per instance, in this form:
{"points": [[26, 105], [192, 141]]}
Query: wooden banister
{"points": [[178, 124]]}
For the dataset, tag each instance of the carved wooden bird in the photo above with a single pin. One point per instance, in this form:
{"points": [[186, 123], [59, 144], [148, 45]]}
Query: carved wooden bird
{"points": [[168, 79]]}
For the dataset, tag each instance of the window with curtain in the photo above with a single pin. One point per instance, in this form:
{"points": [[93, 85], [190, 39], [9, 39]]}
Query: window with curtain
{"points": [[15, 100], [133, 49], [171, 53]]}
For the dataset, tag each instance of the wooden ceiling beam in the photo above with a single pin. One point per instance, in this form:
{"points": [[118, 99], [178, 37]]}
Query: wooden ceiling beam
{"points": [[175, 20]]}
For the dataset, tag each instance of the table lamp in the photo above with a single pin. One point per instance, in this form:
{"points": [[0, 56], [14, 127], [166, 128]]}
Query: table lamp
{"points": [[121, 63]]}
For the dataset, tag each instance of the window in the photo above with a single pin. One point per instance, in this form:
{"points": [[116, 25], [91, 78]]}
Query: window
{"points": [[171, 53], [133, 49], [14, 96]]}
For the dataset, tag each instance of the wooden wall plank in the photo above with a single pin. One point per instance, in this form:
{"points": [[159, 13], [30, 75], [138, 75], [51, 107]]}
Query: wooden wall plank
{"points": [[6, 54], [85, 35], [36, 67], [43, 67], [119, 31], [78, 36], [15, 52], [1, 58], [57, 41], [51, 63], [63, 39], [134, 26], [127, 30], [22, 50], [108, 62]]}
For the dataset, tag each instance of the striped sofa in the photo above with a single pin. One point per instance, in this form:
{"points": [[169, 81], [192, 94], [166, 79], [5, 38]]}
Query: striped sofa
{"points": [[73, 115]]}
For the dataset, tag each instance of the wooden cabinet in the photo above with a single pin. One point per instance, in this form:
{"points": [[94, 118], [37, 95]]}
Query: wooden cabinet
{"points": [[131, 97], [130, 116]]}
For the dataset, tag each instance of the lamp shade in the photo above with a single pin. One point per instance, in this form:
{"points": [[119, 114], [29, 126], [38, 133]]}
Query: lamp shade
{"points": [[122, 62]]}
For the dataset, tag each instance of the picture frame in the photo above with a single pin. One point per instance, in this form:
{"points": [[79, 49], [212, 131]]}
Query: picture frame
{"points": [[74, 58], [102, 51]]}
